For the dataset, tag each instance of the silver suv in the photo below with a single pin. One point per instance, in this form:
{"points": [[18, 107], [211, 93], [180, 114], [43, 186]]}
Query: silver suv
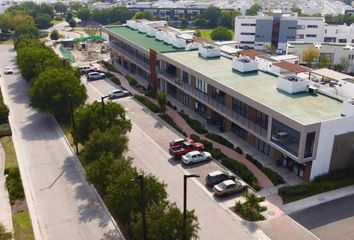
{"points": [[95, 76]]}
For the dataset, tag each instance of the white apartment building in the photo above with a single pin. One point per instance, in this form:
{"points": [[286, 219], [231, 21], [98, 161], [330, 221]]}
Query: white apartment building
{"points": [[336, 7], [259, 31]]}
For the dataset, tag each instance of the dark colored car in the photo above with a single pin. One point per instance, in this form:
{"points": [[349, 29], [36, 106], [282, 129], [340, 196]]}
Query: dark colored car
{"points": [[217, 177]]}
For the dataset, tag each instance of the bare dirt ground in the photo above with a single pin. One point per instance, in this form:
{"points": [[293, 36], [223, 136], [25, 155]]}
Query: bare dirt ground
{"points": [[92, 52]]}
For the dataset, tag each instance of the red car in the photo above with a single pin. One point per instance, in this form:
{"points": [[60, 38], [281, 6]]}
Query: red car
{"points": [[185, 148], [178, 142]]}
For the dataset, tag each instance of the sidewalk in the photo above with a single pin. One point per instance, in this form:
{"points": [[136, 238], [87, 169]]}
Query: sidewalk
{"points": [[5, 207]]}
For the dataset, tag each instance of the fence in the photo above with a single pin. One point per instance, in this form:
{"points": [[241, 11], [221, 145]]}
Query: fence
{"points": [[67, 54]]}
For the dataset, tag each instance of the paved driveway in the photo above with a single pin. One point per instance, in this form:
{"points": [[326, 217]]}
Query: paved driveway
{"points": [[61, 203]]}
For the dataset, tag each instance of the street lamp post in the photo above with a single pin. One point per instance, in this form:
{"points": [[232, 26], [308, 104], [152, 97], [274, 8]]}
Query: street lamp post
{"points": [[102, 102], [142, 205], [185, 177], [73, 120]]}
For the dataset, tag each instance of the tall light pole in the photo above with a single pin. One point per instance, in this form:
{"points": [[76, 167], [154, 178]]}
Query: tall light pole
{"points": [[73, 120], [142, 205], [102, 102], [185, 177]]}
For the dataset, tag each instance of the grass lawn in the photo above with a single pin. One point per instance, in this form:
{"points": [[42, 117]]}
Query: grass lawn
{"points": [[66, 128], [205, 33], [7, 43], [10, 153], [55, 22], [22, 225]]}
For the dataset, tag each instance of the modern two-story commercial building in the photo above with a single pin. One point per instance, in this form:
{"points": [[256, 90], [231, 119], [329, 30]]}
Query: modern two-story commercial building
{"points": [[301, 123]]}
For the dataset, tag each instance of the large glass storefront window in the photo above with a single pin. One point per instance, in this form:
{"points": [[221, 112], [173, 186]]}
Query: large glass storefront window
{"points": [[310, 142], [285, 137], [239, 131], [263, 147]]}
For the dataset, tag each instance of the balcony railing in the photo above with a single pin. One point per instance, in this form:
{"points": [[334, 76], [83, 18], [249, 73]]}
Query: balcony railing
{"points": [[217, 106], [135, 59]]}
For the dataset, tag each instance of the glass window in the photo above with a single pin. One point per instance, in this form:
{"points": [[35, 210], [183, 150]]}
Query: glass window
{"points": [[239, 107], [201, 85], [239, 131], [185, 77], [262, 119], [285, 137], [310, 141]]}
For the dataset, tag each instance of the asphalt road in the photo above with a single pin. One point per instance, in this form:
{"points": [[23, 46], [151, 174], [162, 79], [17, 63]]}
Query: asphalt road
{"points": [[61, 203], [331, 220], [148, 143]]}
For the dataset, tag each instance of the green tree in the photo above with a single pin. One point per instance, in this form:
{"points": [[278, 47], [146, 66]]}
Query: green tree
{"points": [[165, 222], [270, 48], [123, 194], [50, 90], [343, 65], [21, 19], [296, 9], [43, 21], [113, 141], [250, 209], [162, 100], [75, 5], [33, 61], [5, 22], [144, 15], [90, 117], [54, 35], [46, 9], [72, 23], [212, 15], [310, 55], [184, 23], [227, 18], [324, 62], [98, 171], [221, 34], [84, 14], [60, 7], [253, 9], [26, 31], [69, 17]]}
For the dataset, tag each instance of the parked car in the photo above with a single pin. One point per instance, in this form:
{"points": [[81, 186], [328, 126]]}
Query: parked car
{"points": [[8, 70], [118, 94], [95, 76], [185, 148], [178, 142], [228, 187], [217, 177], [86, 69], [195, 157]]}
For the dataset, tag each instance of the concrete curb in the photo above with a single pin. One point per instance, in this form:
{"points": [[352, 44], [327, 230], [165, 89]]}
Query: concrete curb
{"points": [[318, 199], [92, 187]]}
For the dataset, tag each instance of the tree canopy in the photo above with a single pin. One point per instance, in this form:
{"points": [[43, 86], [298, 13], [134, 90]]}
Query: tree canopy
{"points": [[227, 18], [50, 90], [221, 34], [90, 117], [43, 21], [54, 35], [26, 31], [253, 10], [310, 55]]}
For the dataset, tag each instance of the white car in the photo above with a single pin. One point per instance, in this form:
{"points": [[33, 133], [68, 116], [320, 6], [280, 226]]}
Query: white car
{"points": [[195, 157], [118, 94], [8, 70], [87, 69], [95, 76]]}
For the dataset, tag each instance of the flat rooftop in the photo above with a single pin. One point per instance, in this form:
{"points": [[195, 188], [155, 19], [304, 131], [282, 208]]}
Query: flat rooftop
{"points": [[261, 87], [142, 40]]}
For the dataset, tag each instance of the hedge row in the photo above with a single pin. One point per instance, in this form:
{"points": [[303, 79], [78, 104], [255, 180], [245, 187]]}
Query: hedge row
{"points": [[4, 111], [333, 180], [194, 124], [242, 171], [150, 105], [219, 139], [113, 78], [272, 175], [109, 66], [131, 80], [14, 184], [170, 121]]}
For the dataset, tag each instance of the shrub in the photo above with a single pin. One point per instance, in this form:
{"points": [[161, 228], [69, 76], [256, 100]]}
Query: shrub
{"points": [[242, 171], [194, 124], [14, 185], [333, 180], [273, 176], [239, 150], [170, 121], [113, 78], [208, 146], [5, 130], [131, 80], [195, 137], [250, 209], [219, 139], [216, 153], [171, 105], [109, 66], [150, 105]]}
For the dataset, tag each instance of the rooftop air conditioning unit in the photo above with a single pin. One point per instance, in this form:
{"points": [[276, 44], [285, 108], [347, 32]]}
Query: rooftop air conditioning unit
{"points": [[312, 90]]}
